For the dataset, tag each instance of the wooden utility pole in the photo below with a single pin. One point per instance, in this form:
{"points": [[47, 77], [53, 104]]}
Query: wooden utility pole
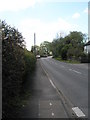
{"points": [[34, 39], [35, 44]]}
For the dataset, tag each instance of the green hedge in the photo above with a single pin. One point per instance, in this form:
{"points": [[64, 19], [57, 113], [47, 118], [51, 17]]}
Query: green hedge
{"points": [[30, 60], [16, 62], [85, 58]]}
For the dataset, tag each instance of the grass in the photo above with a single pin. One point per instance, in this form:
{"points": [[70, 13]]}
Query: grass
{"points": [[68, 61]]}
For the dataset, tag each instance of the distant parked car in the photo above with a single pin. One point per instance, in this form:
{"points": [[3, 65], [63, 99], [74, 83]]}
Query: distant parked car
{"points": [[37, 56], [45, 55]]}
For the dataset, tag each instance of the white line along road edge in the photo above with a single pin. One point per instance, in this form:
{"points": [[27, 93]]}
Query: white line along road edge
{"points": [[78, 112], [52, 83]]}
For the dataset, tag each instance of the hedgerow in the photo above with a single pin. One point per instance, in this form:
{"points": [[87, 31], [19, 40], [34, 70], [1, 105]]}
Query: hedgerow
{"points": [[16, 62]]}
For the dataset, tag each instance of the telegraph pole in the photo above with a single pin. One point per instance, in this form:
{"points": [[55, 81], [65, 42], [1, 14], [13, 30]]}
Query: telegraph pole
{"points": [[34, 39], [61, 34], [35, 44]]}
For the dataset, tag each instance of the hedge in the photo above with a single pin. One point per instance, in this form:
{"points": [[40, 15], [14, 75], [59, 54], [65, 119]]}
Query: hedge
{"points": [[16, 62]]}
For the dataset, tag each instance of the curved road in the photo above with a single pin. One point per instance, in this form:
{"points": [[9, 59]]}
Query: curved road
{"points": [[58, 90], [71, 80]]}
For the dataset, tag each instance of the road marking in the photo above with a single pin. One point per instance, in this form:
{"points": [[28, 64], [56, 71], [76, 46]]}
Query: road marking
{"points": [[58, 91], [52, 83], [50, 104], [52, 114], [78, 112], [75, 71], [49, 78]]}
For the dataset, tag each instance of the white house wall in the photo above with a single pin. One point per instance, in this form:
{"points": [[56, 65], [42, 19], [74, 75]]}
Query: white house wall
{"points": [[87, 49]]}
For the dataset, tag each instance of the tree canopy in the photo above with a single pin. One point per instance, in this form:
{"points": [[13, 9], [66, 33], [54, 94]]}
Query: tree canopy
{"points": [[71, 46]]}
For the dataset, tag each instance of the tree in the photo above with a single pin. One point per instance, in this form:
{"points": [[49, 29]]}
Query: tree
{"points": [[35, 49], [71, 46], [64, 51], [45, 48]]}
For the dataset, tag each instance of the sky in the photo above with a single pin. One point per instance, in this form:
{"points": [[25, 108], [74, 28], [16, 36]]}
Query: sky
{"points": [[49, 19]]}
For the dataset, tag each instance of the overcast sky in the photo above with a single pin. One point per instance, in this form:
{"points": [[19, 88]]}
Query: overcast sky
{"points": [[45, 17]]}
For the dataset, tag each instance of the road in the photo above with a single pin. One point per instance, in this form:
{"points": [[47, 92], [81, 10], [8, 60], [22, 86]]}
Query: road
{"points": [[59, 90]]}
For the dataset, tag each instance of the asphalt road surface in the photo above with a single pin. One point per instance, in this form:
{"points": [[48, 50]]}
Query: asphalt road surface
{"points": [[59, 90]]}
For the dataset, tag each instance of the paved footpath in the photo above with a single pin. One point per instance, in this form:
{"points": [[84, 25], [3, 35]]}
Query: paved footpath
{"points": [[44, 101]]}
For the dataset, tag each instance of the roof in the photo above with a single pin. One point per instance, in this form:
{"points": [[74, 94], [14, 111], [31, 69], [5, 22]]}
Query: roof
{"points": [[88, 43]]}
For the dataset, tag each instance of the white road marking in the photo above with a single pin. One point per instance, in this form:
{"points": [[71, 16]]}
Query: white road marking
{"points": [[52, 114], [49, 78], [78, 112], [50, 104], [52, 83], [75, 71]]}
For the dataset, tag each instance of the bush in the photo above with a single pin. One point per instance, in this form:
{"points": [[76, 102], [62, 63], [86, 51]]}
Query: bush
{"points": [[30, 60], [16, 62], [13, 68], [64, 53], [89, 58], [84, 58]]}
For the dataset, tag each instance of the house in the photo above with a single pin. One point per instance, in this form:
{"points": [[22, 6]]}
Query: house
{"points": [[87, 47]]}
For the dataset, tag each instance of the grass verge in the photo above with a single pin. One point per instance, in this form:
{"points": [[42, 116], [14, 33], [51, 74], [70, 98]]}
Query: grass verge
{"points": [[68, 61]]}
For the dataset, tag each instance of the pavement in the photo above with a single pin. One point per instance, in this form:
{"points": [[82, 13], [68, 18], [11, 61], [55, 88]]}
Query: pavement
{"points": [[44, 101], [58, 90]]}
